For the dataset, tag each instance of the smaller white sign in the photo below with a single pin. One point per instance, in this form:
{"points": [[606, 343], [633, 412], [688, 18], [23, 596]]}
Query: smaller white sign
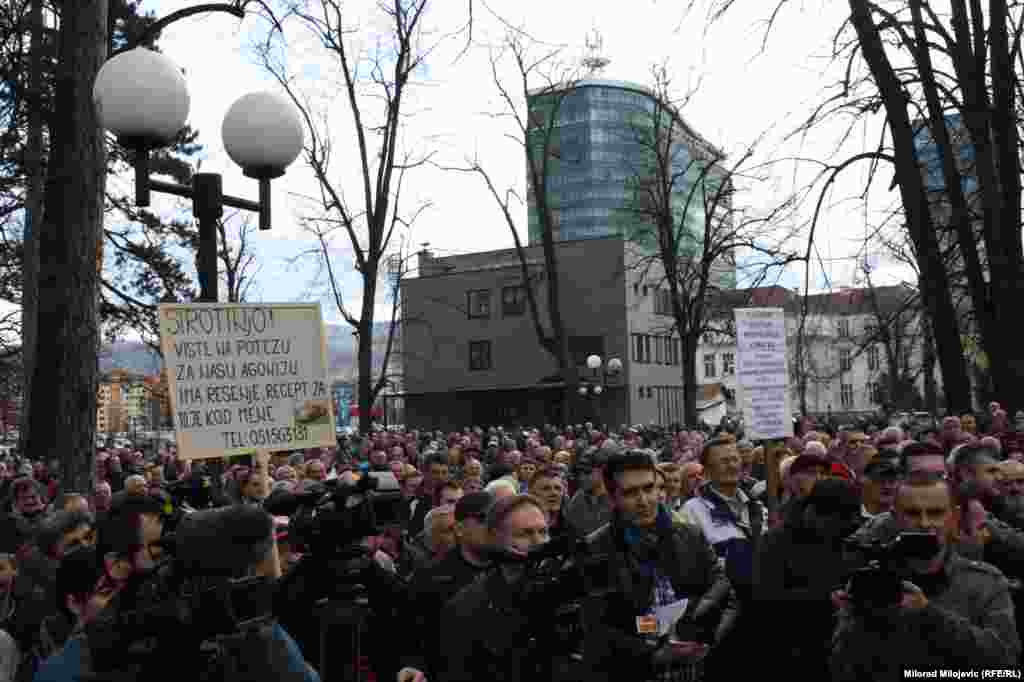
{"points": [[762, 373]]}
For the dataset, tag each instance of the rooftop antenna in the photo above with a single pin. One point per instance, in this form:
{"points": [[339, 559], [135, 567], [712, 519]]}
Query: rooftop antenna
{"points": [[595, 61]]}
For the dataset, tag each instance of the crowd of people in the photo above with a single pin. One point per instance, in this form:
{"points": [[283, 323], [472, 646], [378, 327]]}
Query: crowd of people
{"points": [[845, 553]]}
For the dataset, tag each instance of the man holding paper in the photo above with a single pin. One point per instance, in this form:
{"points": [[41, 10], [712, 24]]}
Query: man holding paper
{"points": [[666, 599]]}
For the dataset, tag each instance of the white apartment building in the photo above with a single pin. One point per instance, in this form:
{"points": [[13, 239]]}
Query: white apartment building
{"points": [[846, 363]]}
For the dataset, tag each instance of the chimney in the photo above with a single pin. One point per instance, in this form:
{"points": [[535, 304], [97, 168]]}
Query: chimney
{"points": [[427, 263]]}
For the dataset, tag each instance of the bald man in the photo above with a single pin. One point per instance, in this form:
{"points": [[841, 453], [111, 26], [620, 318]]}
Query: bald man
{"points": [[693, 478]]}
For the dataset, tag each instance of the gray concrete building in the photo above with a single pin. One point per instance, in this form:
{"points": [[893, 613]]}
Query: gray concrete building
{"points": [[470, 354]]}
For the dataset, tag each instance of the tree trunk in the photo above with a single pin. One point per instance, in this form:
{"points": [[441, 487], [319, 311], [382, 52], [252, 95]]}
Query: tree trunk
{"points": [[688, 343], [365, 350], [566, 367], [935, 294], [33, 213], [1004, 249], [67, 341], [931, 393]]}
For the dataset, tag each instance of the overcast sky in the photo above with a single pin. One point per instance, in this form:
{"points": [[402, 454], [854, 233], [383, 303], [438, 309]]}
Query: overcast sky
{"points": [[743, 93]]}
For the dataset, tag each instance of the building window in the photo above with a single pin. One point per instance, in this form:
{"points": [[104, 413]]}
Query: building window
{"points": [[709, 365], [659, 350], [846, 395], [728, 364], [478, 302], [647, 349], [844, 327], [874, 393], [870, 330], [513, 301], [645, 290], [636, 289], [662, 302], [479, 356], [638, 348], [641, 392], [845, 361], [872, 357], [650, 392]]}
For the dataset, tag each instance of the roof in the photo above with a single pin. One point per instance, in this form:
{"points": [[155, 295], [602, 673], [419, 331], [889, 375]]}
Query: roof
{"points": [[862, 301]]}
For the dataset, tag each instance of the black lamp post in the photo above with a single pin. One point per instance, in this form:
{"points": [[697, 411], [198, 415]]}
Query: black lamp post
{"points": [[600, 373], [142, 97]]}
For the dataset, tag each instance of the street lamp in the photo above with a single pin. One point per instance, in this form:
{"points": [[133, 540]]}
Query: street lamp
{"points": [[595, 386], [142, 97]]}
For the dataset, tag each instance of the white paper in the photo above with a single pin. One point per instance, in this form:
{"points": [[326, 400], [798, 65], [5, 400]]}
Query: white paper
{"points": [[669, 614], [762, 373]]}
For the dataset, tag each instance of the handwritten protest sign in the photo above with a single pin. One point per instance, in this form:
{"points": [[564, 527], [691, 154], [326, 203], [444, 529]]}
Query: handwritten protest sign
{"points": [[244, 378], [762, 375]]}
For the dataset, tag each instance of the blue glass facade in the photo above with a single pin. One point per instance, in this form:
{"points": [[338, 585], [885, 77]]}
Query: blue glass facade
{"points": [[600, 157], [929, 155]]}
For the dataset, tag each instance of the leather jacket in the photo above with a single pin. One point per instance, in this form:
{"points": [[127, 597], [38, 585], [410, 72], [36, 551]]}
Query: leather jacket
{"points": [[612, 643]]}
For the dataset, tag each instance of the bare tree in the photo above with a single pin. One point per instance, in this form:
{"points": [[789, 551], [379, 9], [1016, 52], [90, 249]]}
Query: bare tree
{"points": [[534, 103], [686, 222], [238, 262], [376, 89]]}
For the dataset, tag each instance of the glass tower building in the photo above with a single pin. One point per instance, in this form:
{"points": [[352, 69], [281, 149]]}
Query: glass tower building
{"points": [[599, 158]]}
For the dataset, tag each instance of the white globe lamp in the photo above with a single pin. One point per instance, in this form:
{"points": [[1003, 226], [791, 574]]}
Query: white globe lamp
{"points": [[594, 362], [141, 96], [615, 365], [598, 390], [262, 133], [583, 390]]}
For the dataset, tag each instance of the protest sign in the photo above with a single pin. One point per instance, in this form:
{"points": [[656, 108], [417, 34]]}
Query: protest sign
{"points": [[762, 375], [246, 378]]}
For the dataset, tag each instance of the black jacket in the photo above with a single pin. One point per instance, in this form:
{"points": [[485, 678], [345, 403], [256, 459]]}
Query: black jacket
{"points": [[612, 644], [795, 573], [431, 588], [486, 634]]}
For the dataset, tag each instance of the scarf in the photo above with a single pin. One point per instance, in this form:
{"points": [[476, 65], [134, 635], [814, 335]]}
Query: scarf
{"points": [[643, 544]]}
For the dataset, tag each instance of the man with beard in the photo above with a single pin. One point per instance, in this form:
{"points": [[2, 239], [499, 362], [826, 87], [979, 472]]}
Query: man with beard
{"points": [[1011, 485]]}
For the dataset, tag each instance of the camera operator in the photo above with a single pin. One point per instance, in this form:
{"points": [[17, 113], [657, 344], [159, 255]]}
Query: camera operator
{"points": [[87, 581], [953, 612], [486, 632], [669, 593], [176, 620], [435, 584]]}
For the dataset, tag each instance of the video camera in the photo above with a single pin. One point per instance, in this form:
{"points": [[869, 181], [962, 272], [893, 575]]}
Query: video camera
{"points": [[879, 584], [333, 516], [200, 597]]}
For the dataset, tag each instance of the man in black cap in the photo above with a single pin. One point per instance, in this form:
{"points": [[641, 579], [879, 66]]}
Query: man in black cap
{"points": [[798, 567], [881, 481], [436, 583]]}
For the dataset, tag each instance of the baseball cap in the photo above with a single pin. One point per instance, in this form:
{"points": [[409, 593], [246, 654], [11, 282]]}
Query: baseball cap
{"points": [[473, 505]]}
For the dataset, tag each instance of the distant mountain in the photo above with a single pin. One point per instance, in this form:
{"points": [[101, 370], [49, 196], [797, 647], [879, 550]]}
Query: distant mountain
{"points": [[341, 353]]}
